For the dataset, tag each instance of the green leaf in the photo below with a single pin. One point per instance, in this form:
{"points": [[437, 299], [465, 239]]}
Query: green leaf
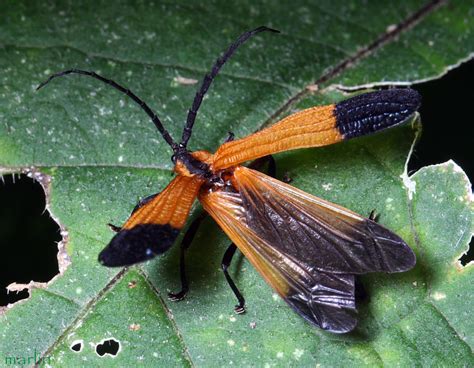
{"points": [[102, 155]]}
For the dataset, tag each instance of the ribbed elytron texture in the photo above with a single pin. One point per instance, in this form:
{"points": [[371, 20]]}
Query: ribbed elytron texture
{"points": [[154, 224], [313, 127], [371, 112], [171, 206]]}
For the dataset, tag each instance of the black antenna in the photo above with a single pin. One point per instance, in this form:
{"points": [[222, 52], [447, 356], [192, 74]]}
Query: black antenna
{"points": [[208, 78], [124, 90]]}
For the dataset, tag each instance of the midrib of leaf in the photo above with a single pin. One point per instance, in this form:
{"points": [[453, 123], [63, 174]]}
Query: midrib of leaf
{"points": [[382, 40], [297, 96], [83, 312]]}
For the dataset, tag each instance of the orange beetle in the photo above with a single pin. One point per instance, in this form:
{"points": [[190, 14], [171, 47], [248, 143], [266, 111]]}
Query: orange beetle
{"points": [[309, 250]]}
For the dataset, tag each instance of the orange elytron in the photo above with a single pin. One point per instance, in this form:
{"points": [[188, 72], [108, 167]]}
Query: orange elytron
{"points": [[307, 249]]}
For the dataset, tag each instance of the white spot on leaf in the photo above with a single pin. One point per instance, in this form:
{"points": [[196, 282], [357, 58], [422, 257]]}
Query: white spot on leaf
{"points": [[298, 353], [185, 81], [327, 186], [438, 295]]}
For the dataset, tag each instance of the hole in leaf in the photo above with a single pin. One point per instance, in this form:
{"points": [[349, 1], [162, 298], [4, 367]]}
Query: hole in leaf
{"points": [[76, 346], [469, 256], [447, 126], [110, 347], [28, 236], [446, 115]]}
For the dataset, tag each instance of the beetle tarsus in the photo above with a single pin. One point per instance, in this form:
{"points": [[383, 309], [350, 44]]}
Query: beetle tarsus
{"points": [[239, 309], [374, 216], [114, 228], [176, 297], [230, 137], [287, 178]]}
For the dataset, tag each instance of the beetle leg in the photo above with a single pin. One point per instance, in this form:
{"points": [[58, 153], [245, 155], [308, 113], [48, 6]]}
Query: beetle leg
{"points": [[114, 228], [230, 137], [226, 260], [374, 216], [185, 244]]}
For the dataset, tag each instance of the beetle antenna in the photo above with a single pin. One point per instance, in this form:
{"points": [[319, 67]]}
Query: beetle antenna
{"points": [[208, 78], [167, 137]]}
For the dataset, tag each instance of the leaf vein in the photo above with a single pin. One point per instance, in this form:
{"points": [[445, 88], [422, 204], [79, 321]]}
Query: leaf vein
{"points": [[382, 40], [83, 312]]}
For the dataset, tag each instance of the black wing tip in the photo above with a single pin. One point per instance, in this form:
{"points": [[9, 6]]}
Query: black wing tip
{"points": [[138, 244], [336, 320], [407, 262], [399, 257], [370, 112], [329, 316]]}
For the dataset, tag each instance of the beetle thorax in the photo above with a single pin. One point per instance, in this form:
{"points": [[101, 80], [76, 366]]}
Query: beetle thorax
{"points": [[193, 163]]}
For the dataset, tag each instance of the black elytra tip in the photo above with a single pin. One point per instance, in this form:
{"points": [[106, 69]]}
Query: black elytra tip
{"points": [[370, 112], [138, 244]]}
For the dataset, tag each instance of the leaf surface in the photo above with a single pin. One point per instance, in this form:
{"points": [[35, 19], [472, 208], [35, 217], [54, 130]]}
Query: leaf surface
{"points": [[103, 155]]}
